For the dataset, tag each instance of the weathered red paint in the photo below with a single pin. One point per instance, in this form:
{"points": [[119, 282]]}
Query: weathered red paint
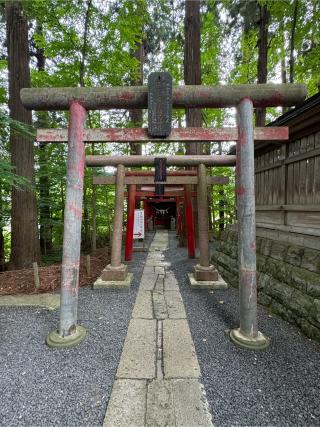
{"points": [[130, 221], [72, 221], [177, 134], [240, 191]]}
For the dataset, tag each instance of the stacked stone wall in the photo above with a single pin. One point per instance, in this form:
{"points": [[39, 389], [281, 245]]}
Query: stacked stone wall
{"points": [[288, 278]]}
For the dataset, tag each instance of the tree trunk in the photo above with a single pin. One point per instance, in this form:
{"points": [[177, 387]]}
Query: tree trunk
{"points": [[44, 183], [192, 65], [292, 40], [192, 76], [25, 247], [136, 116], [262, 58], [2, 251]]}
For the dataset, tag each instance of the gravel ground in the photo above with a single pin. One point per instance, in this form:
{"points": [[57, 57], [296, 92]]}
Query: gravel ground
{"points": [[41, 386], [276, 387]]}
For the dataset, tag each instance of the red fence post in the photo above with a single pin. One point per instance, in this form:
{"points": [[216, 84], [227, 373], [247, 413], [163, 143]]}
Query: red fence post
{"points": [[130, 221], [69, 333], [189, 222]]}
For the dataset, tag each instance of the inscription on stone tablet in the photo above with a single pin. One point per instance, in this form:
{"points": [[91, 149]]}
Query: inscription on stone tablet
{"points": [[159, 104]]}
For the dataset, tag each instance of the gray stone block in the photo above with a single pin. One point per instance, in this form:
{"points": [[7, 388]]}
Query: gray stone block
{"points": [[175, 305], [143, 306], [160, 409], [315, 312], [148, 281], [300, 303], [264, 299], [294, 255], [159, 305], [127, 405], [170, 282], [180, 360], [190, 404], [311, 260], [265, 247], [278, 250], [138, 355]]}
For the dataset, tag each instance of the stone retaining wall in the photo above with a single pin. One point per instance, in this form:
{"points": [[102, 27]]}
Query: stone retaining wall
{"points": [[288, 278]]}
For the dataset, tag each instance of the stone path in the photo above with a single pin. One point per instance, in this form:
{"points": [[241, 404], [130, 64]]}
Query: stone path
{"points": [[157, 381]]}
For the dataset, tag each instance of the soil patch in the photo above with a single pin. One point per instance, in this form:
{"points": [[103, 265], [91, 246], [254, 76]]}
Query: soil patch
{"points": [[22, 282]]}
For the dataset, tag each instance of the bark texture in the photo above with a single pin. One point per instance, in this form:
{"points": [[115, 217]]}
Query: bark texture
{"points": [[25, 247], [136, 116], [262, 58], [192, 64]]}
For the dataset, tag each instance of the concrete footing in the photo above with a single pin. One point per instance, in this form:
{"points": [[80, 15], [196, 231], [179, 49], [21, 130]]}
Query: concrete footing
{"points": [[48, 301], [260, 342], [207, 274], [111, 273], [55, 340], [207, 284], [113, 284]]}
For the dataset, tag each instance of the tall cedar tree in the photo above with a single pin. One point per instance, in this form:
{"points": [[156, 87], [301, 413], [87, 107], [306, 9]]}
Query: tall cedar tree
{"points": [[136, 116], [262, 58], [192, 64], [25, 247]]}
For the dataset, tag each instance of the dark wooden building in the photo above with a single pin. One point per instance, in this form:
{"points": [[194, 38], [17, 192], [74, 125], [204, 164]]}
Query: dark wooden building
{"points": [[288, 179]]}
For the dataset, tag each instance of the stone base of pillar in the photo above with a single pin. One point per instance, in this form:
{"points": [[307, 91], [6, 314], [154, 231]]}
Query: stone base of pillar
{"points": [[113, 284], [139, 249], [54, 340], [260, 342], [206, 274], [207, 284], [115, 273]]}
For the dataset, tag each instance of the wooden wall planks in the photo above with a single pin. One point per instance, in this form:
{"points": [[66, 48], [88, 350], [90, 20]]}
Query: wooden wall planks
{"points": [[287, 178]]}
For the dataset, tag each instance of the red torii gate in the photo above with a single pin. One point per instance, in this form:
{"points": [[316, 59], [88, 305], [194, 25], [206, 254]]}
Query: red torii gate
{"points": [[78, 100], [181, 177]]}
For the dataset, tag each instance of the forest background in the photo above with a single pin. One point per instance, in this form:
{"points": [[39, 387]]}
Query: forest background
{"points": [[119, 42]]}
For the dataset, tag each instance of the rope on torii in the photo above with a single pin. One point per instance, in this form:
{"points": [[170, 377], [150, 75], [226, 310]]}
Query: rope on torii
{"points": [[162, 211]]}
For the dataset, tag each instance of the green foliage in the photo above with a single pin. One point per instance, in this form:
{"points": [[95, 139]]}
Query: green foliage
{"points": [[101, 53]]}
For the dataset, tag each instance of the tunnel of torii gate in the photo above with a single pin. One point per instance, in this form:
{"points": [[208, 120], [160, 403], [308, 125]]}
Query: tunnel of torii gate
{"points": [[172, 210], [160, 97]]}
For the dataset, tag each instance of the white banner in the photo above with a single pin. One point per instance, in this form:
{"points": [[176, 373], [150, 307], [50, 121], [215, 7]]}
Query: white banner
{"points": [[138, 228]]}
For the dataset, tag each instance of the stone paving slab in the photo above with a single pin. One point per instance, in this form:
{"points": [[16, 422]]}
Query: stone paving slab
{"points": [[159, 286], [159, 305], [49, 301], [190, 404], [148, 281], [170, 283], [160, 407], [138, 354], [148, 270], [174, 304], [180, 360], [127, 405], [143, 308], [159, 270]]}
